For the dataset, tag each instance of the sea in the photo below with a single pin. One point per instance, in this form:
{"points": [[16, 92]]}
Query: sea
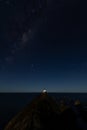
{"points": [[12, 103]]}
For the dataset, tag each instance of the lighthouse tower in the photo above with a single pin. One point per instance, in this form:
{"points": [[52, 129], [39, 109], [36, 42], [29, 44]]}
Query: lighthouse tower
{"points": [[44, 91]]}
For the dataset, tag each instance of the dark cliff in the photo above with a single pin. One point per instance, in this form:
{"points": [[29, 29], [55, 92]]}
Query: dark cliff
{"points": [[44, 113]]}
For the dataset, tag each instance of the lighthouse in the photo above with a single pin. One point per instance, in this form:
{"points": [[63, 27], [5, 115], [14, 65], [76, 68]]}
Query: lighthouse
{"points": [[44, 91]]}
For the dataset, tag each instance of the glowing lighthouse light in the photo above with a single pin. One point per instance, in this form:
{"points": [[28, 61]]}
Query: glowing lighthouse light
{"points": [[44, 91]]}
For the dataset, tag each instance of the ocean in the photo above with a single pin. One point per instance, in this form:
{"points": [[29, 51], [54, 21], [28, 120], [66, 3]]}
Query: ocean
{"points": [[12, 103]]}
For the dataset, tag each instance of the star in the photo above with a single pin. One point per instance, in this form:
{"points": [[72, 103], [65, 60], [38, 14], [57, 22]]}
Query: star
{"points": [[7, 2], [13, 51], [9, 59], [33, 10], [32, 65], [24, 37]]}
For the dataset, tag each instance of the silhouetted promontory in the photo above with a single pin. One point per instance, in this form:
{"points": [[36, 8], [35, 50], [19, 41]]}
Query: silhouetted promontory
{"points": [[45, 113]]}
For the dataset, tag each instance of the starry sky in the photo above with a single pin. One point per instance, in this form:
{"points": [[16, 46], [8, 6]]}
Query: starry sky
{"points": [[43, 44]]}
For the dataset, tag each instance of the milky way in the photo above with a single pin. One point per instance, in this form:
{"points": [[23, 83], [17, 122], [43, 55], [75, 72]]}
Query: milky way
{"points": [[20, 21]]}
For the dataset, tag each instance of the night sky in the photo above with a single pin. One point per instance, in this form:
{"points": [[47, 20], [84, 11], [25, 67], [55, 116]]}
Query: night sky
{"points": [[43, 44]]}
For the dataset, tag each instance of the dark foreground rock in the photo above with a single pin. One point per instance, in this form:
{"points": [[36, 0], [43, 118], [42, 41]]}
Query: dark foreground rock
{"points": [[44, 113]]}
